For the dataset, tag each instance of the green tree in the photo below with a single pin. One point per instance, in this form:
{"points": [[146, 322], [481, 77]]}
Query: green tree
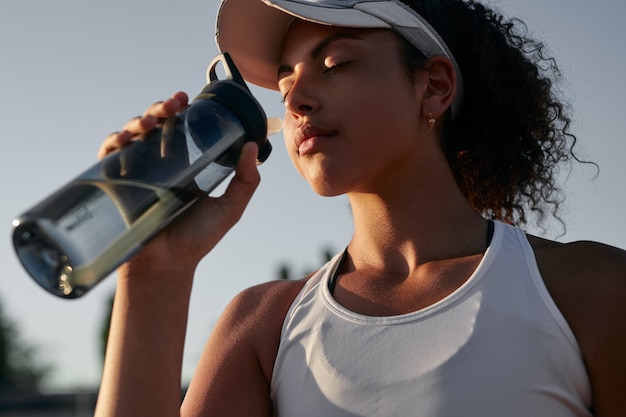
{"points": [[284, 270], [19, 368]]}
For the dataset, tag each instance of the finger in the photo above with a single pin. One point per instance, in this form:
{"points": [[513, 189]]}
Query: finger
{"points": [[244, 183], [247, 167], [141, 124], [182, 98], [114, 141], [169, 107]]}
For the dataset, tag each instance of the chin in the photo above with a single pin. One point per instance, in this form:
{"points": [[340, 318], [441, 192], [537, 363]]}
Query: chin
{"points": [[325, 182], [326, 190], [329, 194]]}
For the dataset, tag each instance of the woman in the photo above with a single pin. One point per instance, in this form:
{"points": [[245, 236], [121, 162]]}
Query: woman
{"points": [[431, 119]]}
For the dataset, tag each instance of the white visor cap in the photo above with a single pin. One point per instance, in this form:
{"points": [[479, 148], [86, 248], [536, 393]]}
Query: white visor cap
{"points": [[252, 31]]}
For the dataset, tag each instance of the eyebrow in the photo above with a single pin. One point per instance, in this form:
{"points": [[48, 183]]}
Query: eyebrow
{"points": [[319, 48]]}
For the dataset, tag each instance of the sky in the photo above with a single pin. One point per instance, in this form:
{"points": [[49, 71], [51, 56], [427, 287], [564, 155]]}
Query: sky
{"points": [[73, 71]]}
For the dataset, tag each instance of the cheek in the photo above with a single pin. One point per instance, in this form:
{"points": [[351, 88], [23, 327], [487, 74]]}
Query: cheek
{"points": [[387, 100], [380, 120]]}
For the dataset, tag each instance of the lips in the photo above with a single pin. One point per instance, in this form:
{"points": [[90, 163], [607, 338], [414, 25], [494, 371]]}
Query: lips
{"points": [[308, 136]]}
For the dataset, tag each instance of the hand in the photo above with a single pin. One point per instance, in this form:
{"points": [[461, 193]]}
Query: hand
{"points": [[141, 124], [190, 237]]}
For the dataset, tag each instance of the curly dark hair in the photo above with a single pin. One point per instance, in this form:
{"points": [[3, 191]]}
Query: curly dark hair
{"points": [[512, 135]]}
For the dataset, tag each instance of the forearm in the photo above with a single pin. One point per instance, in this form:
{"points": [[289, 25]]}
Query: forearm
{"points": [[142, 372]]}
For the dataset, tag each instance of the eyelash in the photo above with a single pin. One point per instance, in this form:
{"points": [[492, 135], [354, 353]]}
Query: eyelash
{"points": [[326, 70], [341, 64]]}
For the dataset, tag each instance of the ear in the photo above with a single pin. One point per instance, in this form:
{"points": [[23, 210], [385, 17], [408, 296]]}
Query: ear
{"points": [[440, 86]]}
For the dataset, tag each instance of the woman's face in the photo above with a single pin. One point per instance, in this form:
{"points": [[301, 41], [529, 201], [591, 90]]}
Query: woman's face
{"points": [[352, 112]]}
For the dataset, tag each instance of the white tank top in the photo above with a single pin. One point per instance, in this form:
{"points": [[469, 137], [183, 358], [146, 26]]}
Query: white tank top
{"points": [[496, 347]]}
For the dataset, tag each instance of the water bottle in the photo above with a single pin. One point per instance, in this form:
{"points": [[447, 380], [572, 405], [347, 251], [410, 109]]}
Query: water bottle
{"points": [[78, 235]]}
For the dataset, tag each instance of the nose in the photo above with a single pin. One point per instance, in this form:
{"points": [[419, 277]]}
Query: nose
{"points": [[303, 95]]}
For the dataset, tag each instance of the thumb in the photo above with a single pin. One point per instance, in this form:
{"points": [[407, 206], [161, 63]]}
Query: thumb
{"points": [[244, 183]]}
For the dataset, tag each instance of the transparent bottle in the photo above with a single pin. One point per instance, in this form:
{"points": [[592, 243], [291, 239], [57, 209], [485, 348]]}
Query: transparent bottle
{"points": [[78, 235]]}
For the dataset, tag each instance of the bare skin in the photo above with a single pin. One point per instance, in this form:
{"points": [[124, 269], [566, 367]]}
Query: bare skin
{"points": [[397, 261], [587, 280]]}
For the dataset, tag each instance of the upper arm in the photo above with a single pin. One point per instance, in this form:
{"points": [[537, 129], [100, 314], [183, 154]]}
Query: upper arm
{"points": [[233, 375], [588, 282], [604, 344]]}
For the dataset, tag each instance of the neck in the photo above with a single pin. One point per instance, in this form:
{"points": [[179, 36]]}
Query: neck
{"points": [[420, 219]]}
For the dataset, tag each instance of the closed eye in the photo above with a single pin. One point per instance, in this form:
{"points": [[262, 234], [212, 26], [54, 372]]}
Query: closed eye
{"points": [[334, 67], [284, 89]]}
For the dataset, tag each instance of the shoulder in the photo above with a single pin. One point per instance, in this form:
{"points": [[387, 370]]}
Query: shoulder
{"points": [[587, 281], [234, 372], [264, 302], [597, 268], [257, 313]]}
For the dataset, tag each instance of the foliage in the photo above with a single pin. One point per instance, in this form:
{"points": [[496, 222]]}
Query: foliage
{"points": [[284, 271], [19, 368]]}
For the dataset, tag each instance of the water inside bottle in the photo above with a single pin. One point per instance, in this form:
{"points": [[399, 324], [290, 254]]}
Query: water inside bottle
{"points": [[68, 250], [60, 251]]}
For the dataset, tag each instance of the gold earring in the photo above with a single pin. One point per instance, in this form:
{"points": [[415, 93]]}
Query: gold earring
{"points": [[431, 120]]}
